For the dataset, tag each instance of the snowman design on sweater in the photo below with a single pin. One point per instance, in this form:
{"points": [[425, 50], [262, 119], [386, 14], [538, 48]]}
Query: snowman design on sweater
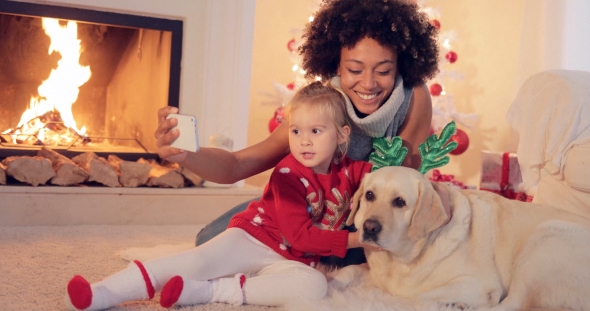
{"points": [[300, 213]]}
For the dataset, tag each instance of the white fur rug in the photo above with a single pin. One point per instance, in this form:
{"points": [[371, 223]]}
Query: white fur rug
{"points": [[361, 296], [37, 262]]}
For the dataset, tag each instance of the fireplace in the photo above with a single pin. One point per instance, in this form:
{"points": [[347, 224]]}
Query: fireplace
{"points": [[217, 39], [101, 98]]}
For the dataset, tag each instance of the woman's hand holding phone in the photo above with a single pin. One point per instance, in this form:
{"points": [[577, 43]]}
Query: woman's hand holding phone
{"points": [[165, 136]]}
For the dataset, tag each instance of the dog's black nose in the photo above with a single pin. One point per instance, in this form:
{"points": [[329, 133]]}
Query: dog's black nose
{"points": [[371, 228]]}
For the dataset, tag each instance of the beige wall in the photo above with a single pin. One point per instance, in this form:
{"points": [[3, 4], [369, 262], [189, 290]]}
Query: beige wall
{"points": [[276, 21], [488, 49]]}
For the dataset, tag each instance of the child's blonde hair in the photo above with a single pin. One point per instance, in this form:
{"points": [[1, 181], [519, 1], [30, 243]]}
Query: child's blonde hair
{"points": [[325, 99]]}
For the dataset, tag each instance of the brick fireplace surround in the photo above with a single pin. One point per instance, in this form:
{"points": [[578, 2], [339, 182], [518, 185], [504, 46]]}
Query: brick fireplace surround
{"points": [[217, 47]]}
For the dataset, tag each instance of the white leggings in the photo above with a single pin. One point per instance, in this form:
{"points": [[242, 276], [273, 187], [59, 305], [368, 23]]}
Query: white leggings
{"points": [[273, 280]]}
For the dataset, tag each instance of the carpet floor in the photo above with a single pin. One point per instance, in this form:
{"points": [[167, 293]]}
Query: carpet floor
{"points": [[37, 262]]}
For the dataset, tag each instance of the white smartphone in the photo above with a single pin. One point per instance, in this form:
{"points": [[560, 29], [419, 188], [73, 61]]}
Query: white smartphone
{"points": [[188, 139]]}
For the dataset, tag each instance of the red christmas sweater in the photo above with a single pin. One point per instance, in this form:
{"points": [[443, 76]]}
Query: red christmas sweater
{"points": [[300, 212]]}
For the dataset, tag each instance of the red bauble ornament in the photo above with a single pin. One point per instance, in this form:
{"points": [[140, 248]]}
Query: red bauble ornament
{"points": [[291, 45], [435, 89], [435, 23], [462, 142], [272, 124], [276, 119], [291, 86], [451, 57]]}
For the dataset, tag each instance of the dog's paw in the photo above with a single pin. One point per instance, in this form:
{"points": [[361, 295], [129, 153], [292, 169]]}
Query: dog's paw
{"points": [[348, 276], [338, 284]]}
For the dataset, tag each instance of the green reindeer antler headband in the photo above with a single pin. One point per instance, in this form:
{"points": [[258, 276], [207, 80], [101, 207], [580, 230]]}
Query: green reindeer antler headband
{"points": [[433, 151]]}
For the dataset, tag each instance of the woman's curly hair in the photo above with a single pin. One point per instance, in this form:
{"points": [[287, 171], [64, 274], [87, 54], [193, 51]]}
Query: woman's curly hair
{"points": [[393, 23]]}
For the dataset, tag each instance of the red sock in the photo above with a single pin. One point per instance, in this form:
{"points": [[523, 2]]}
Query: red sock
{"points": [[171, 291], [80, 292]]}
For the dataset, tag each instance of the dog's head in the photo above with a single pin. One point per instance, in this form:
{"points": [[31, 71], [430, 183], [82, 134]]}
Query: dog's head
{"points": [[396, 208]]}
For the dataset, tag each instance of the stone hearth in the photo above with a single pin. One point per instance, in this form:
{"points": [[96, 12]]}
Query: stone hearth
{"points": [[57, 206]]}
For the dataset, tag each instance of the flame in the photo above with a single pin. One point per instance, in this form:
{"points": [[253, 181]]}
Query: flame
{"points": [[60, 91]]}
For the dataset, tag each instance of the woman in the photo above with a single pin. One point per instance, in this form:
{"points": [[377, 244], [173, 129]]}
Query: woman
{"points": [[378, 53]]}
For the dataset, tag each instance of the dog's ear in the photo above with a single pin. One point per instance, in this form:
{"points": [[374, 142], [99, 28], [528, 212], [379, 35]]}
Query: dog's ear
{"points": [[430, 213], [444, 197], [356, 201]]}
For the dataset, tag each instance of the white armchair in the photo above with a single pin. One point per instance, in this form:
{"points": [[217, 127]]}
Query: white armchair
{"points": [[551, 114]]}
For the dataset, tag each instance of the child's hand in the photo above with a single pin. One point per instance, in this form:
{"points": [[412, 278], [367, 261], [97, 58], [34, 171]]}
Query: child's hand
{"points": [[354, 242]]}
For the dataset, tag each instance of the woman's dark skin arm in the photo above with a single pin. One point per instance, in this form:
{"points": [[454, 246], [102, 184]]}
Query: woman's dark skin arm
{"points": [[218, 165], [221, 166], [416, 126]]}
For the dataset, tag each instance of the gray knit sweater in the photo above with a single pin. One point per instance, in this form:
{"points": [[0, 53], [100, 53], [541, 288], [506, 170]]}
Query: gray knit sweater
{"points": [[385, 122]]}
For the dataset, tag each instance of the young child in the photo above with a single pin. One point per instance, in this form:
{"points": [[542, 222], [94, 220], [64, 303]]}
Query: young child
{"points": [[277, 240]]}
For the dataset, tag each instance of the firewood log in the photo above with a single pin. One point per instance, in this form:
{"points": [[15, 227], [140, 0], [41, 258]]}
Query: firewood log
{"points": [[2, 174], [190, 178], [98, 169], [32, 170], [131, 174], [66, 171], [163, 176]]}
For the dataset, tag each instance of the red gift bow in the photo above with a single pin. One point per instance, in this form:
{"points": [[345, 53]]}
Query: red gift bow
{"points": [[437, 176]]}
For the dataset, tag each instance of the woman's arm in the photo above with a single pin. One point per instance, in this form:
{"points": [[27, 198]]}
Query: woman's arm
{"points": [[416, 126], [218, 165]]}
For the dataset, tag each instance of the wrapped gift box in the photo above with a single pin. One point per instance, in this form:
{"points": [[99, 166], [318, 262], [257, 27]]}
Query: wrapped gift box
{"points": [[500, 173]]}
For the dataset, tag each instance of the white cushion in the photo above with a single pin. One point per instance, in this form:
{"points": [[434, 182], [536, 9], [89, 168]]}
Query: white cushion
{"points": [[551, 114], [576, 171]]}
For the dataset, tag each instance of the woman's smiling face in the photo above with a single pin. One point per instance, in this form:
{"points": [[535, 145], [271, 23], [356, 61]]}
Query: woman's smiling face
{"points": [[367, 74]]}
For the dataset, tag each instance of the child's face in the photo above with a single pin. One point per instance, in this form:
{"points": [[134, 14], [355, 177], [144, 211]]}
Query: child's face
{"points": [[313, 138]]}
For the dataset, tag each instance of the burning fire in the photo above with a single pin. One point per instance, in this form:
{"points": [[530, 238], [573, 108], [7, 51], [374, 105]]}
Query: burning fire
{"points": [[49, 119]]}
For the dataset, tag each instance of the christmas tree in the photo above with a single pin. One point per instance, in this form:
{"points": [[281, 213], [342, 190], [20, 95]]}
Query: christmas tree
{"points": [[443, 104]]}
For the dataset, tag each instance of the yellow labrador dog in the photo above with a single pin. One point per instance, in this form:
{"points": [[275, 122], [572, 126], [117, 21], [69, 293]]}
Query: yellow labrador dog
{"points": [[468, 248]]}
